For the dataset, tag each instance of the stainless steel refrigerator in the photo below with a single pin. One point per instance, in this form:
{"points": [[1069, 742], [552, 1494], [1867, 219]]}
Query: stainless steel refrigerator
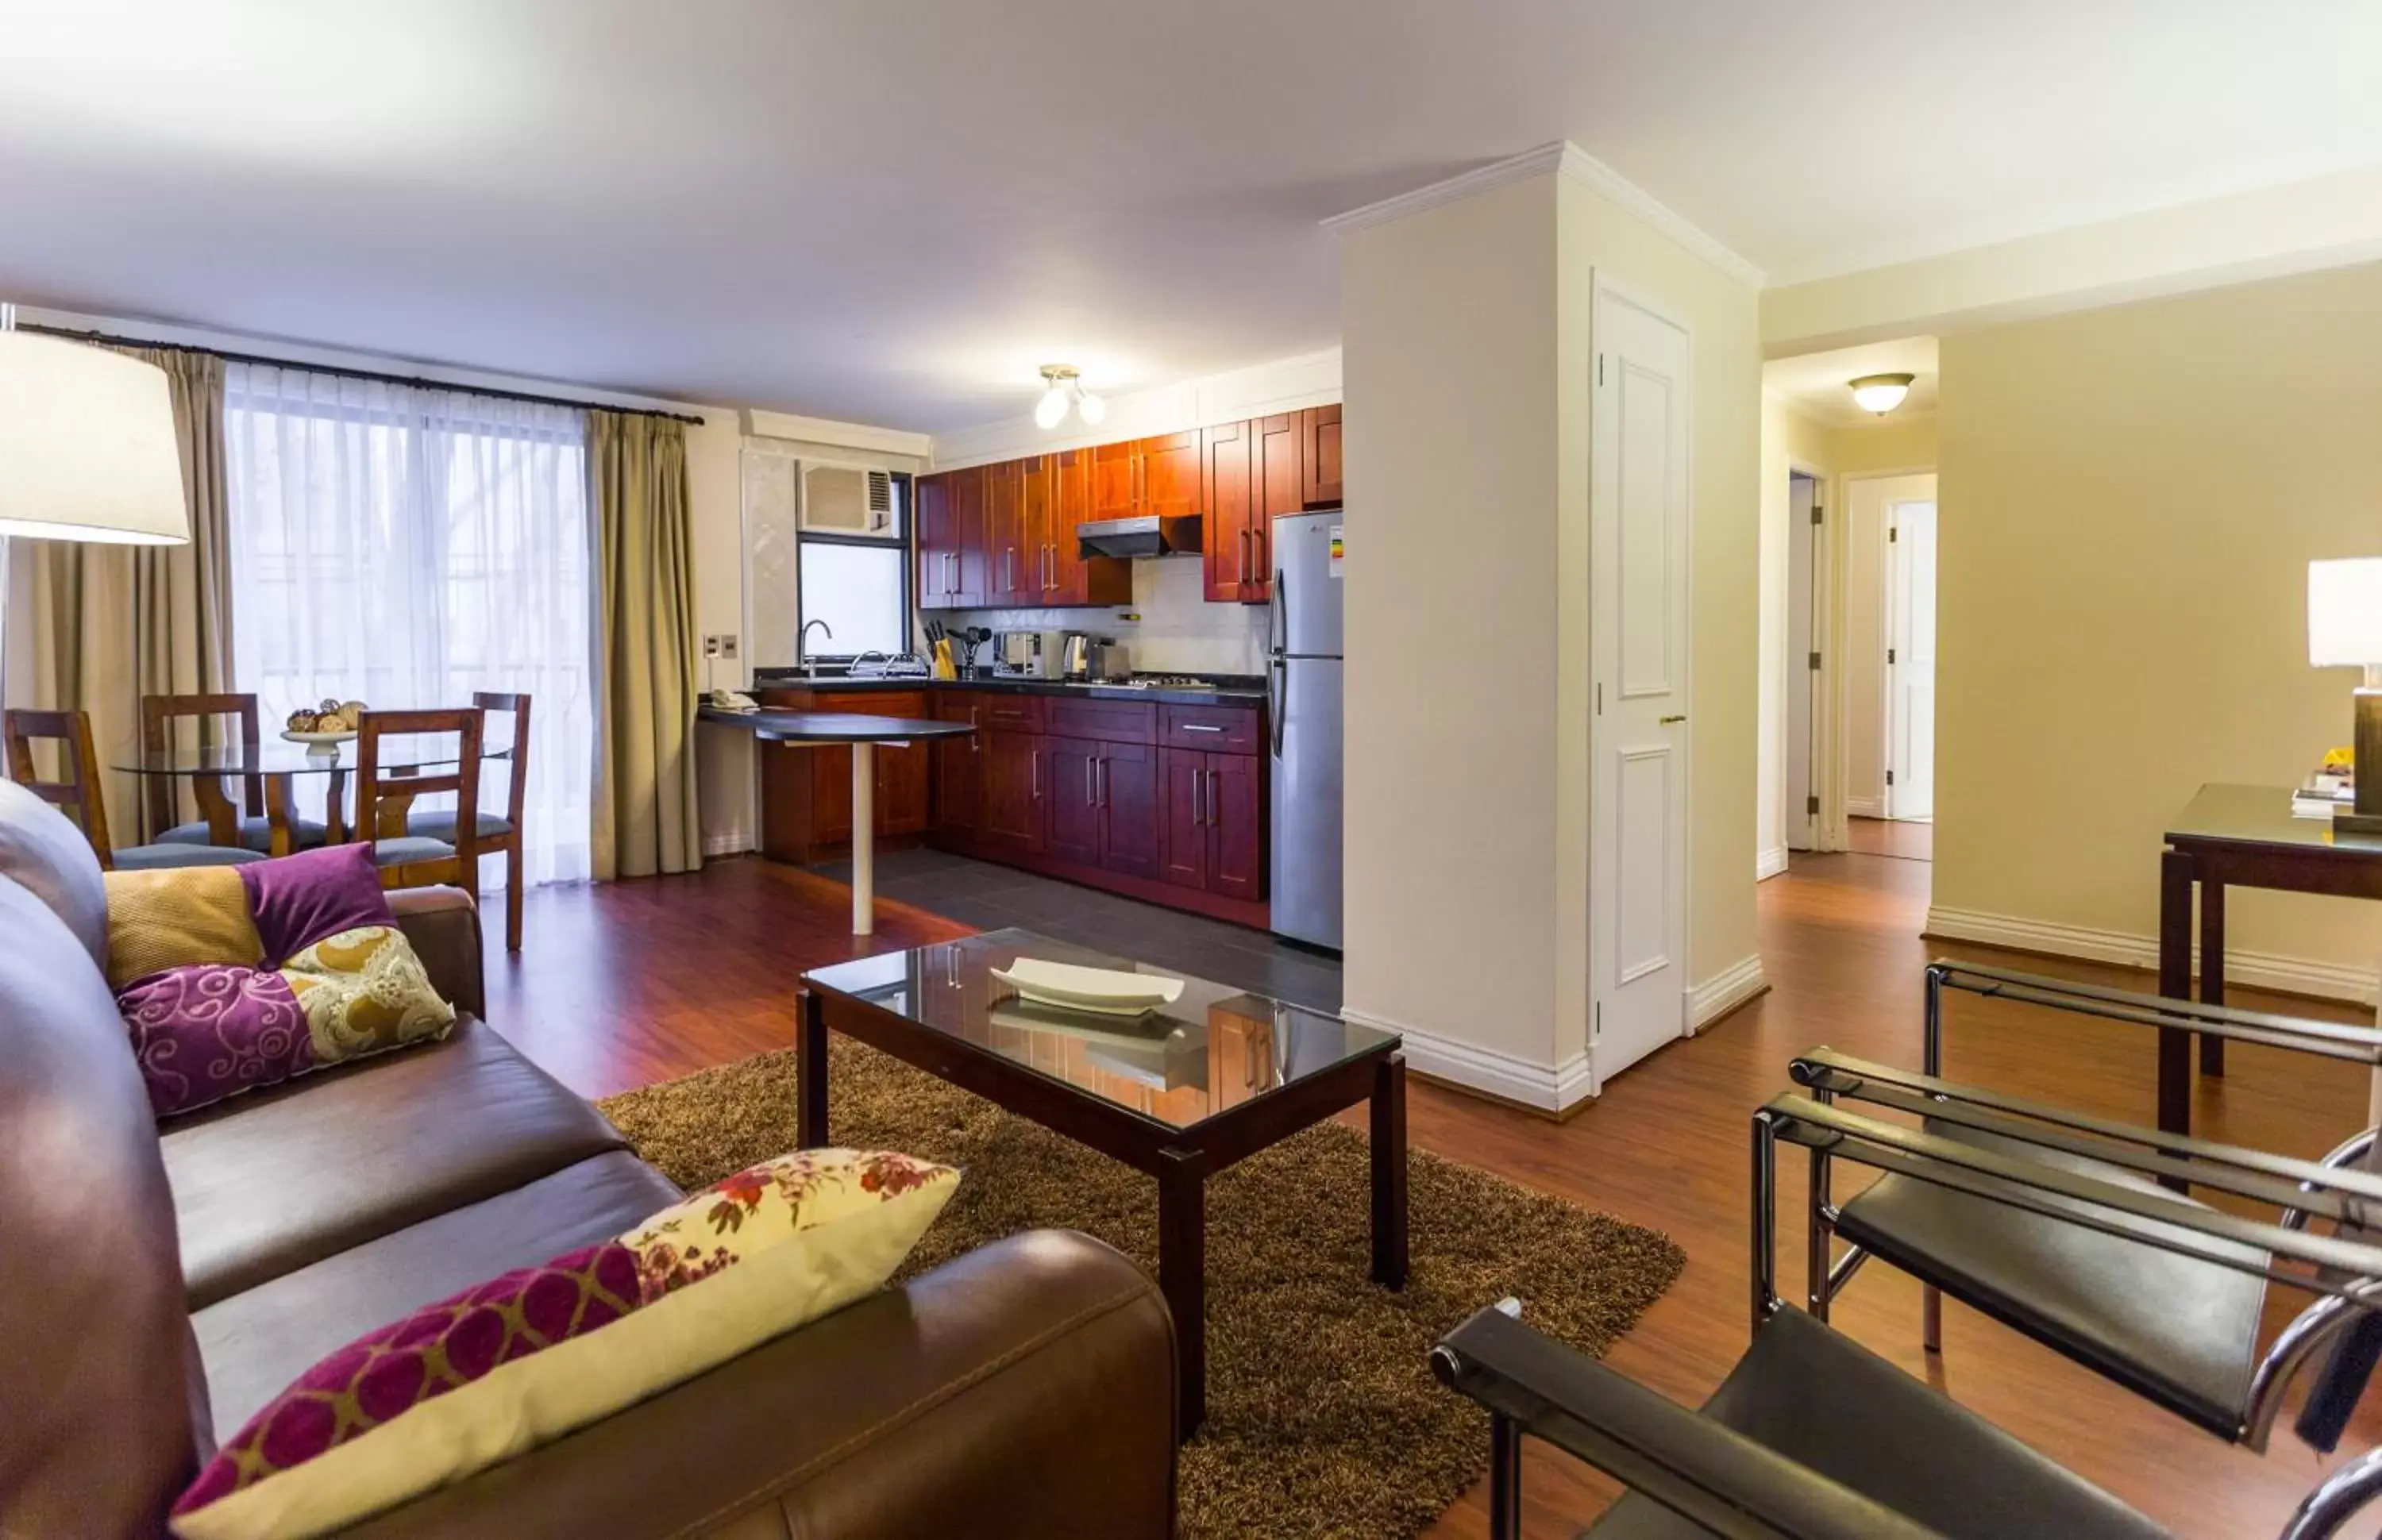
{"points": [[1303, 693]]}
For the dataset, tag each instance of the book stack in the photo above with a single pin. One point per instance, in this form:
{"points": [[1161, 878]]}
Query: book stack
{"points": [[2331, 786]]}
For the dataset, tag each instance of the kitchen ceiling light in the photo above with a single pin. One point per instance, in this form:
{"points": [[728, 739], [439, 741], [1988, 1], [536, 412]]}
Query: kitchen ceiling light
{"points": [[1066, 388], [1880, 393]]}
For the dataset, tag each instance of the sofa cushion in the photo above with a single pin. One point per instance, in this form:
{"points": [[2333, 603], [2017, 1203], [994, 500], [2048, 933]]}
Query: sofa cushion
{"points": [[97, 1430], [175, 917], [517, 1360], [257, 1341], [274, 1180], [43, 850]]}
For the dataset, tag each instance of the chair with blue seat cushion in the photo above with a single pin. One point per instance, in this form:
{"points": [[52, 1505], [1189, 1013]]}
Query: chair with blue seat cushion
{"points": [[413, 859], [253, 829], [503, 832], [78, 792]]}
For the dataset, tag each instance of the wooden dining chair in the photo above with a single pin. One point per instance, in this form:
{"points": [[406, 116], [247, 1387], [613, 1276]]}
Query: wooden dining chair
{"points": [[384, 800], [249, 825], [80, 797], [495, 832]]}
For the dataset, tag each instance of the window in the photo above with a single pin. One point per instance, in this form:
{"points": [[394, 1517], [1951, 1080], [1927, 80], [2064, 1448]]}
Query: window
{"points": [[406, 547], [859, 584]]}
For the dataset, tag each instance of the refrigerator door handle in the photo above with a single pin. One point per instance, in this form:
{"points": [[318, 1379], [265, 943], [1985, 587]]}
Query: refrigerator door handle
{"points": [[1277, 700]]}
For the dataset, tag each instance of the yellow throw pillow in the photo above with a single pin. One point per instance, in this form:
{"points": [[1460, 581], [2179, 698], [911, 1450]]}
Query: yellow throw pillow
{"points": [[175, 917], [526, 1357]]}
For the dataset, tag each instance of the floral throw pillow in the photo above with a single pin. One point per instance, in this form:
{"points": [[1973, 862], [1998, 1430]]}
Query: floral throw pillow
{"points": [[235, 977], [524, 1357]]}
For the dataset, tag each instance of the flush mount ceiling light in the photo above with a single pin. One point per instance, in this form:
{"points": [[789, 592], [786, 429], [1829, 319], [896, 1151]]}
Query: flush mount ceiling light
{"points": [[1880, 393], [1064, 387]]}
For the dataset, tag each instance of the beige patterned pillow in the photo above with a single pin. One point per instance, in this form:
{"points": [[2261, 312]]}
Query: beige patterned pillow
{"points": [[363, 990]]}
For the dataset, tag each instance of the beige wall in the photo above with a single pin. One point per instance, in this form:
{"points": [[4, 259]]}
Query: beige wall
{"points": [[2130, 500], [1468, 363]]}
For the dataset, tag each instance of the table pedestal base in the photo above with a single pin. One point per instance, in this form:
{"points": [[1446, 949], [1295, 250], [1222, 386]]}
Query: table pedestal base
{"points": [[864, 838]]}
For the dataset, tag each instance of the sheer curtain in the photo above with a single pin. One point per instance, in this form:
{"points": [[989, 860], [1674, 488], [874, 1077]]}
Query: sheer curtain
{"points": [[406, 547]]}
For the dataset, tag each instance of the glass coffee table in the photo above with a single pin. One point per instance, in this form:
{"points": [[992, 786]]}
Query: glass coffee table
{"points": [[1180, 1093]]}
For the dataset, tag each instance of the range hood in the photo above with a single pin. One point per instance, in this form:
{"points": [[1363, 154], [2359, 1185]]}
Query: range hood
{"points": [[1147, 536]]}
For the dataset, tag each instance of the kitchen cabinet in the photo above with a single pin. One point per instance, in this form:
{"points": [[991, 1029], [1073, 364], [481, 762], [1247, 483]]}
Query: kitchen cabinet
{"points": [[1012, 533], [1212, 817], [806, 790], [1229, 494], [1003, 536], [1103, 804], [1278, 486], [959, 765], [1145, 477], [1074, 831], [1072, 578], [951, 539], [1011, 815], [1322, 468]]}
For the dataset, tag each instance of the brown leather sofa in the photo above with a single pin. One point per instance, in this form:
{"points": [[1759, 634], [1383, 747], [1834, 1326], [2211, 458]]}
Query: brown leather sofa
{"points": [[159, 1284]]}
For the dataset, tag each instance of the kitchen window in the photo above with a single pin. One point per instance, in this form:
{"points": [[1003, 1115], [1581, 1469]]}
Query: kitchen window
{"points": [[859, 584]]}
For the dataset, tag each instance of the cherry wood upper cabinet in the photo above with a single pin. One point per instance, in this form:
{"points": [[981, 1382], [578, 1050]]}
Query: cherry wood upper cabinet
{"points": [[1278, 476], [1322, 456], [1228, 492], [968, 535], [1009, 556], [1116, 480], [939, 556], [1068, 576], [1170, 475]]}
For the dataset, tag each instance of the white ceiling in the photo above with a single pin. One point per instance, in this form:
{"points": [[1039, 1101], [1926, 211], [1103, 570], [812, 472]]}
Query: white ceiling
{"points": [[891, 210], [1815, 384]]}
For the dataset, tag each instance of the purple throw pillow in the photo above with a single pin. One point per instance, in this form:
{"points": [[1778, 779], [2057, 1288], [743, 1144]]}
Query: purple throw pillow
{"points": [[297, 900], [210, 1030]]}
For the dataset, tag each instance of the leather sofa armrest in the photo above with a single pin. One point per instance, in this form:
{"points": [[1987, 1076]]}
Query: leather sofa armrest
{"points": [[1025, 1389], [443, 924]]}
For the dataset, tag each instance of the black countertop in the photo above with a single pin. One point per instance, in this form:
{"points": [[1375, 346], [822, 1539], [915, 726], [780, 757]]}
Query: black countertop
{"points": [[1232, 690], [833, 726]]}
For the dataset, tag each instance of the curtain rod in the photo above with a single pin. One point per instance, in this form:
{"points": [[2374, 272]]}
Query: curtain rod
{"points": [[414, 380]]}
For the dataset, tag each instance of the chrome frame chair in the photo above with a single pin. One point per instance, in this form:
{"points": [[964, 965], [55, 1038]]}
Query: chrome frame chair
{"points": [[1813, 1437], [2335, 1188]]}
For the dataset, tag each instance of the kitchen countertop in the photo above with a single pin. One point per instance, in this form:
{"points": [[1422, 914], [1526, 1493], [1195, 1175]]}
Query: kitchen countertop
{"points": [[1233, 693], [832, 726]]}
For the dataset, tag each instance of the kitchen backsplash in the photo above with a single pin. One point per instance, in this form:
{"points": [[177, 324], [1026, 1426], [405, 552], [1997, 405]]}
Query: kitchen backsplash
{"points": [[1179, 631]]}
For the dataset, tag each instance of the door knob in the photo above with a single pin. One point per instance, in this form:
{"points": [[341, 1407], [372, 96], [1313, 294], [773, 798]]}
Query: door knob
{"points": [[1668, 720]]}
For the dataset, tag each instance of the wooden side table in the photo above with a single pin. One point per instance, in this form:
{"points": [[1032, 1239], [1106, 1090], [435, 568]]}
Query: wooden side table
{"points": [[2237, 836]]}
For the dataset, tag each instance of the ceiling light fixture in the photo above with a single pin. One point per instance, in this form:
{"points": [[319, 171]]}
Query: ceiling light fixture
{"points": [[1880, 393], [1064, 387]]}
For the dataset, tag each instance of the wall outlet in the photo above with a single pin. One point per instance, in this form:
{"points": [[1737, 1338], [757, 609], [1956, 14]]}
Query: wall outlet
{"points": [[722, 646]]}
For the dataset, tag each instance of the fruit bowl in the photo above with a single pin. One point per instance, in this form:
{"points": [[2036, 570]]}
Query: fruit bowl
{"points": [[320, 742]]}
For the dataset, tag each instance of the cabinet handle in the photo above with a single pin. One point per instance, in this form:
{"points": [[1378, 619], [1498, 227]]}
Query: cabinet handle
{"points": [[976, 740], [1196, 728], [1199, 798], [1091, 783], [1211, 798], [1035, 760]]}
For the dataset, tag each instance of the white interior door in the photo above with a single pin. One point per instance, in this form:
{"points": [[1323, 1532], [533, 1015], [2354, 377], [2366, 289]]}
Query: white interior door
{"points": [[1801, 823], [1637, 517], [1911, 661]]}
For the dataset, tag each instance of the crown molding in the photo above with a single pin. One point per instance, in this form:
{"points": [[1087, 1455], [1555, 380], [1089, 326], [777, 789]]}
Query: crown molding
{"points": [[1569, 160]]}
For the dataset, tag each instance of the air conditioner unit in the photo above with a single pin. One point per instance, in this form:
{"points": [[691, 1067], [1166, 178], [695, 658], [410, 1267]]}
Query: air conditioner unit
{"points": [[847, 499]]}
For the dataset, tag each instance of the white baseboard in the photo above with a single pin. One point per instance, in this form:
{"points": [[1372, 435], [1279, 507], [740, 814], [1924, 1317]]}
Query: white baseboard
{"points": [[1724, 991], [1547, 1088], [1768, 863], [2328, 981], [728, 842], [1865, 807]]}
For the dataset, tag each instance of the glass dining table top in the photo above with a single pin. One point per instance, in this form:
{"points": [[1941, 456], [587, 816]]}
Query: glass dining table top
{"points": [[400, 755]]}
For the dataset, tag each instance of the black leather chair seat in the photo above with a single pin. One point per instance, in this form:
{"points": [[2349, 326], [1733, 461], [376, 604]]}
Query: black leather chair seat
{"points": [[255, 1343], [275, 1181], [2179, 1331], [1822, 1399]]}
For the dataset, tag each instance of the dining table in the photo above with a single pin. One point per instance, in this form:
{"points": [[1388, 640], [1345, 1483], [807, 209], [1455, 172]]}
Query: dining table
{"points": [[277, 769]]}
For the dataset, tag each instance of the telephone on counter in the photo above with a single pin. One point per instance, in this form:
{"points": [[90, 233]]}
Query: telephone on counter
{"points": [[733, 700]]}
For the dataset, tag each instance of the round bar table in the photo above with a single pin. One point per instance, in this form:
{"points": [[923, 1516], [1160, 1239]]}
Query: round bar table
{"points": [[862, 735]]}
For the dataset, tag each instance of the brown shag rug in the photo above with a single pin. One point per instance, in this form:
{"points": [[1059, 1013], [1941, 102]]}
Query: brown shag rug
{"points": [[1322, 1416]]}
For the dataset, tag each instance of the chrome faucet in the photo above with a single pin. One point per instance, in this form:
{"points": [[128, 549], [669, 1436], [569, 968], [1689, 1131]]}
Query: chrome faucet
{"points": [[802, 646]]}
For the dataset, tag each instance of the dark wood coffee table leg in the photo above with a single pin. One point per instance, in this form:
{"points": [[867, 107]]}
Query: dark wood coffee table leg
{"points": [[2212, 968], [1390, 1172], [1183, 1278], [810, 1074]]}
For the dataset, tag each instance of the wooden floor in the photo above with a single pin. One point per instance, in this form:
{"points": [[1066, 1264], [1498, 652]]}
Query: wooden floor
{"points": [[1912, 839], [632, 981]]}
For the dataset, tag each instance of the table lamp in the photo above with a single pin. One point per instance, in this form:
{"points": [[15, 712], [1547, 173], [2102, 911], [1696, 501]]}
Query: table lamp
{"points": [[2345, 630], [87, 445]]}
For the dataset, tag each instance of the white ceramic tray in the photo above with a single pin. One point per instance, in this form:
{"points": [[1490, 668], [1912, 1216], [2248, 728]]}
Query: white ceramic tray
{"points": [[1105, 990]]}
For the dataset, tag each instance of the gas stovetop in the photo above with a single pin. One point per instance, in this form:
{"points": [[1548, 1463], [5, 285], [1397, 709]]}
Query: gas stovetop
{"points": [[1156, 681]]}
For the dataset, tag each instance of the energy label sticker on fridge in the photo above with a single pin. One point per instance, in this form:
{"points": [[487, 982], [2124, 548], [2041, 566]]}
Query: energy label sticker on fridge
{"points": [[1339, 549]]}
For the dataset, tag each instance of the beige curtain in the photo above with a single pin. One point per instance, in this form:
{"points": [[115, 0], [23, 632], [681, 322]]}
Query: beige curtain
{"points": [[104, 625], [645, 812]]}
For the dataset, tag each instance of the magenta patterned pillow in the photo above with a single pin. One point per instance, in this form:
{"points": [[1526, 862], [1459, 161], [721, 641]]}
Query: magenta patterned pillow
{"points": [[337, 978], [526, 1357]]}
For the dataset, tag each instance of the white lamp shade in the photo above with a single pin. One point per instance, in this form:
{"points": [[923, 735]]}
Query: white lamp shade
{"points": [[87, 446], [2345, 612]]}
